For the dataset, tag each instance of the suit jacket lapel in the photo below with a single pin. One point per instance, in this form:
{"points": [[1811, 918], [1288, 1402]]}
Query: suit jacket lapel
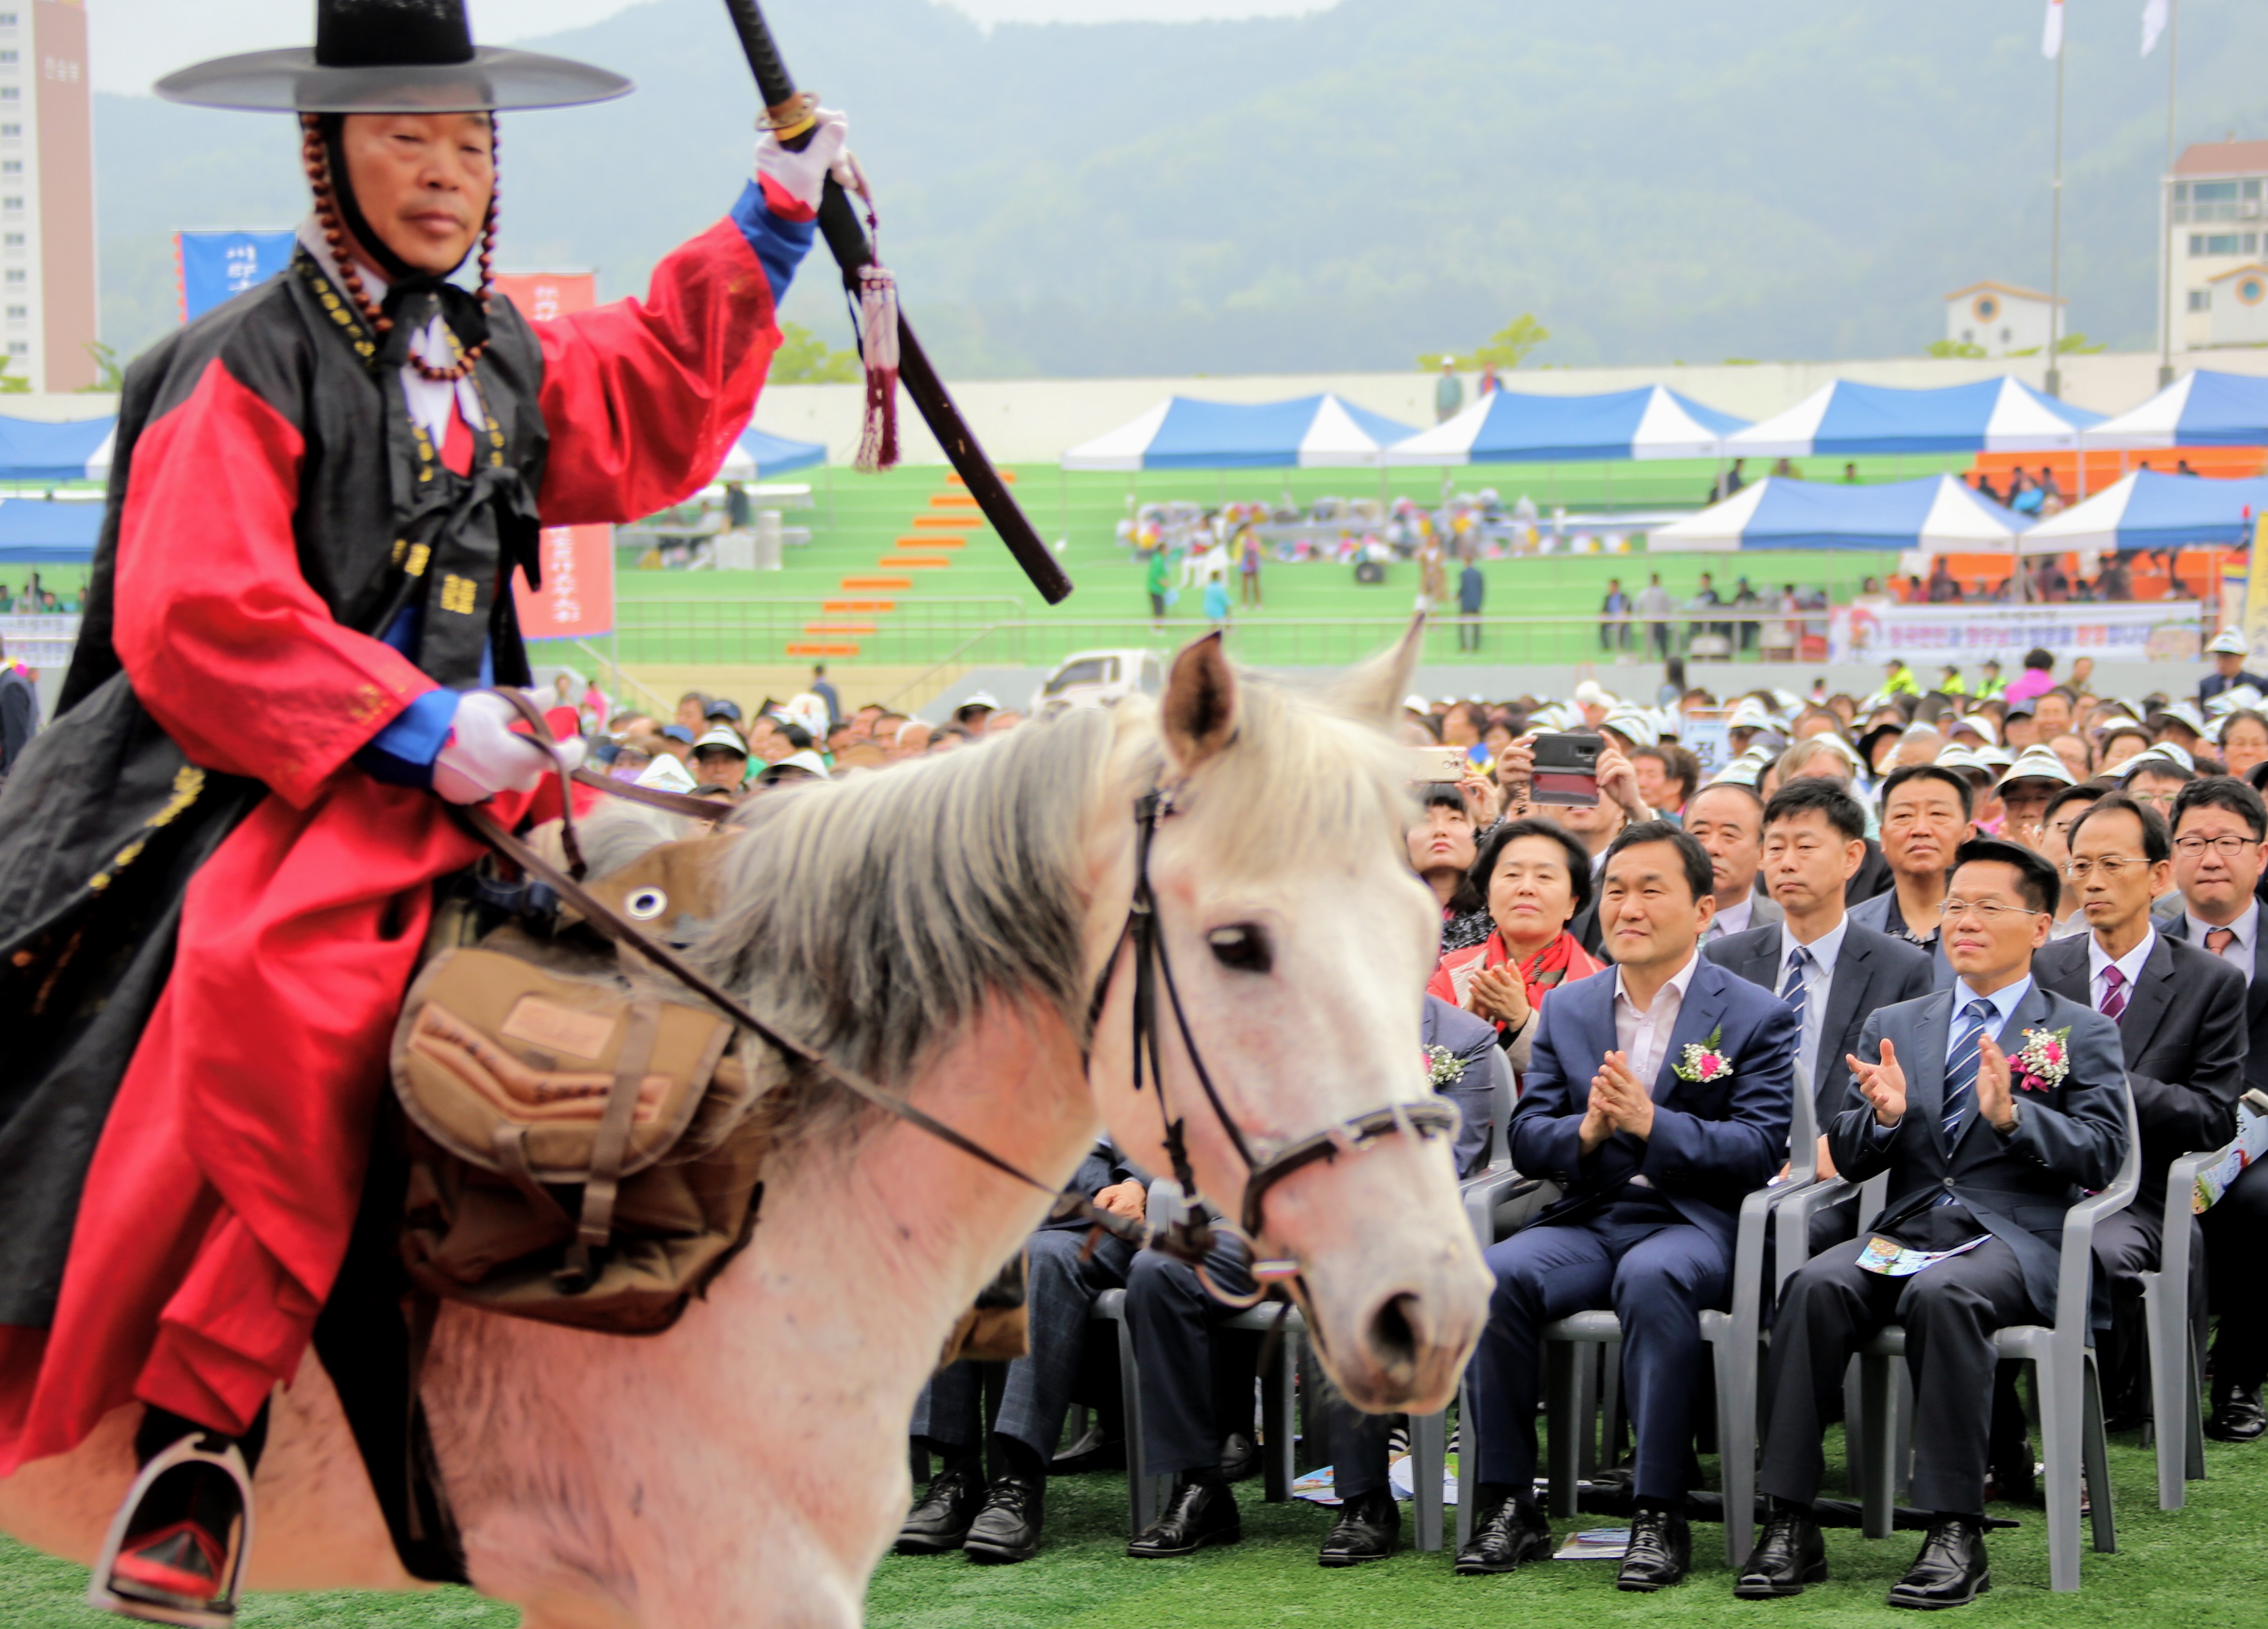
{"points": [[2031, 1013], [1925, 1072], [1697, 1015], [2257, 997], [2053, 969], [1846, 993], [2153, 997]]}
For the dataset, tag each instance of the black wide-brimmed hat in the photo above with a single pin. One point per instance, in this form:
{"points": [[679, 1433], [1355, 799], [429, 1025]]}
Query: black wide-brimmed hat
{"points": [[390, 56]]}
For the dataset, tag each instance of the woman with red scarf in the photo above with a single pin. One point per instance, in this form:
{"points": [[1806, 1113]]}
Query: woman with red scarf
{"points": [[1536, 878]]}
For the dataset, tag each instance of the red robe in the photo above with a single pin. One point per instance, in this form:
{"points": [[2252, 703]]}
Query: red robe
{"points": [[224, 1185]]}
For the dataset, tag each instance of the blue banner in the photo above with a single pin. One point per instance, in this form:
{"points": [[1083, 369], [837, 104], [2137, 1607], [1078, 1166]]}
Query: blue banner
{"points": [[218, 266]]}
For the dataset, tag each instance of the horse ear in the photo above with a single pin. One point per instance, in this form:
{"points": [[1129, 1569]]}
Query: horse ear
{"points": [[1374, 690], [1199, 710]]}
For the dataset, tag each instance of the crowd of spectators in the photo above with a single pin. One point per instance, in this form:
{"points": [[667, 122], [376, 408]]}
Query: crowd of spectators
{"points": [[1892, 899]]}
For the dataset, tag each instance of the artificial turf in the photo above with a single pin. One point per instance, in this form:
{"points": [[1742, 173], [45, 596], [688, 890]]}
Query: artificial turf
{"points": [[2205, 1568]]}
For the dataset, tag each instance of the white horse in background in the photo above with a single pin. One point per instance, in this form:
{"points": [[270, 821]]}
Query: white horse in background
{"points": [[940, 928]]}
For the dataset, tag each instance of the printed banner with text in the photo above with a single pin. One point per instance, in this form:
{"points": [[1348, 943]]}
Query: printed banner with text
{"points": [[576, 600], [2168, 631]]}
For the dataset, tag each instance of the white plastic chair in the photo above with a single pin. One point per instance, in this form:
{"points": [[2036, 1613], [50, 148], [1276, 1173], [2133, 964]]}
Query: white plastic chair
{"points": [[2177, 1352]]}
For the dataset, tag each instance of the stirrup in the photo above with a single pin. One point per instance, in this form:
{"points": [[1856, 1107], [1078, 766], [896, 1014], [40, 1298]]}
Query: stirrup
{"points": [[219, 1612]]}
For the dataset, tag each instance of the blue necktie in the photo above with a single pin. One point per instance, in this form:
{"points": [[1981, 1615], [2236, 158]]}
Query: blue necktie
{"points": [[1960, 1068], [1792, 989]]}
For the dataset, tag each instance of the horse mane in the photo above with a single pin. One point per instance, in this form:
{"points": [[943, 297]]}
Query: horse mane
{"points": [[872, 917]]}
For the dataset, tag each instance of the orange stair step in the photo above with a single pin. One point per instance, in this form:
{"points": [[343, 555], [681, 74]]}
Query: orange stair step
{"points": [[842, 629], [953, 500], [911, 563], [854, 583], [932, 543], [799, 648], [837, 608], [1009, 476], [941, 523]]}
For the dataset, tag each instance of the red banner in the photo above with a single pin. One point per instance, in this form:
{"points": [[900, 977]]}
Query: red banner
{"points": [[578, 597], [543, 295]]}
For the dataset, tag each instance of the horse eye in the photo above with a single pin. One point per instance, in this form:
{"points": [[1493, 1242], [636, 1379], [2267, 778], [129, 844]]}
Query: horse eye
{"points": [[1244, 947]]}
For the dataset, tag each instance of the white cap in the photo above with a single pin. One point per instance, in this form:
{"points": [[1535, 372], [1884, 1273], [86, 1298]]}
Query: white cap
{"points": [[1749, 715], [666, 774], [2164, 752], [1415, 703], [724, 735], [1979, 724], [1636, 723], [809, 763], [977, 699], [2243, 696], [2183, 713], [2037, 763], [1959, 757], [807, 710], [2231, 642], [1591, 692]]}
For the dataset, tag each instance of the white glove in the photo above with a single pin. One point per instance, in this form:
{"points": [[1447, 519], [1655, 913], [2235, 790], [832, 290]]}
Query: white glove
{"points": [[483, 757], [803, 175]]}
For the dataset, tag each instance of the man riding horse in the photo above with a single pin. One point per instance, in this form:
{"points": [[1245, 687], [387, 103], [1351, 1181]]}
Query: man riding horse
{"points": [[216, 871]]}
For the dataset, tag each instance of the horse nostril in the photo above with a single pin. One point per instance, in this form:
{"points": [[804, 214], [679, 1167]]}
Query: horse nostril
{"points": [[1393, 1339]]}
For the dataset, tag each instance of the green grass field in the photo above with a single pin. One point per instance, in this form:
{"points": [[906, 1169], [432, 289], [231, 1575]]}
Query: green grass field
{"points": [[2206, 1567]]}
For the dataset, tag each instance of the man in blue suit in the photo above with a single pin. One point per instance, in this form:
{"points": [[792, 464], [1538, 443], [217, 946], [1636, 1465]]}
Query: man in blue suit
{"points": [[1986, 1148], [1657, 1099]]}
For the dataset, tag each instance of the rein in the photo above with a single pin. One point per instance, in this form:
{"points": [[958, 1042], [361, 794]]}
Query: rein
{"points": [[1183, 1233]]}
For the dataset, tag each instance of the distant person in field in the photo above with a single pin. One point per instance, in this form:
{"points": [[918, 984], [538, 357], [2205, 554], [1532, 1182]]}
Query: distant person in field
{"points": [[1448, 392]]}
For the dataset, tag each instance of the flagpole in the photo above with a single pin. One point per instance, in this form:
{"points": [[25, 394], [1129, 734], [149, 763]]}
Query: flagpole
{"points": [[2166, 199], [2055, 242]]}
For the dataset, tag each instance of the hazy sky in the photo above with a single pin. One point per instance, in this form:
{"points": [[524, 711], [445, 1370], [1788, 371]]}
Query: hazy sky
{"points": [[137, 41]]}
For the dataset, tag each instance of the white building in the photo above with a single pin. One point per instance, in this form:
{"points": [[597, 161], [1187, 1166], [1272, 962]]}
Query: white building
{"points": [[2214, 229], [2000, 318], [2238, 306]]}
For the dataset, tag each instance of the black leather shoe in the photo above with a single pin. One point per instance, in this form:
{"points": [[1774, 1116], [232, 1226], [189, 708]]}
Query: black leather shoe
{"points": [[1661, 1550], [1950, 1570], [1199, 1514], [1240, 1456], [1367, 1527], [1508, 1531], [1789, 1554], [1093, 1451], [2236, 1414], [940, 1519], [1007, 1525]]}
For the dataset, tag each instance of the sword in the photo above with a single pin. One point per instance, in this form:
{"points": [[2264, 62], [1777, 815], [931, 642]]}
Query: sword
{"points": [[788, 113]]}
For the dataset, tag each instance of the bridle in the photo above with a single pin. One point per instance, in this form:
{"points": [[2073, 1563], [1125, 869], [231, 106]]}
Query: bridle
{"points": [[1181, 1231], [1184, 1232]]}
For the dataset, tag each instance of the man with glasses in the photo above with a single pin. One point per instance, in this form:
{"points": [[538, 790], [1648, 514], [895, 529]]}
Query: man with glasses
{"points": [[1984, 1157], [2180, 1018], [2218, 857], [2055, 843], [1926, 816]]}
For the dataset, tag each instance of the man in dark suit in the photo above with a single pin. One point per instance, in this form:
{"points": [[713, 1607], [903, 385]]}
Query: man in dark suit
{"points": [[1831, 757], [1657, 1099], [1001, 1521], [1928, 815], [1986, 1148], [2180, 1013], [2220, 860], [1170, 1318]]}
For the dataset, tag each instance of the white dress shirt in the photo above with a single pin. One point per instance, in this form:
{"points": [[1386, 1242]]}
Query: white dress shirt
{"points": [[1644, 1037], [2130, 966], [1733, 918], [1818, 979], [2238, 953]]}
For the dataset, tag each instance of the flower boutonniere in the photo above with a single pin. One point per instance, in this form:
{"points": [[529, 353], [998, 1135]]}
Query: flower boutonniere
{"points": [[1443, 1067], [1702, 1061], [2041, 1063]]}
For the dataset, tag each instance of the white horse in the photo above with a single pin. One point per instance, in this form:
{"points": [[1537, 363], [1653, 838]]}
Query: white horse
{"points": [[940, 928]]}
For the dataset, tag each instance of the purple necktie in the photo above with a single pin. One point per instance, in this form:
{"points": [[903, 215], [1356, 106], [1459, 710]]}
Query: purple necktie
{"points": [[2114, 993]]}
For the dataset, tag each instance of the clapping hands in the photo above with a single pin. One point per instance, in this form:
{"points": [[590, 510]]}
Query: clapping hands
{"points": [[1883, 1085], [1619, 1102]]}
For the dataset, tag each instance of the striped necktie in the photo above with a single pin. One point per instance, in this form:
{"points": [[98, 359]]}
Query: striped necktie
{"points": [[1960, 1068], [2114, 993], [1792, 989]]}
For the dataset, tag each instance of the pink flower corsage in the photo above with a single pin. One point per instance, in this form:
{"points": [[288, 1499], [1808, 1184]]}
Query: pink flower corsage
{"points": [[2043, 1061], [1702, 1061]]}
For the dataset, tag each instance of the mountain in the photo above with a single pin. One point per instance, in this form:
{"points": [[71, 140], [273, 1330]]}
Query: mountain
{"points": [[1654, 180]]}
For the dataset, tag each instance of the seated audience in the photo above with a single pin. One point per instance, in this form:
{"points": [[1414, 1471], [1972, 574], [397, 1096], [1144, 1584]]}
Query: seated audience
{"points": [[1926, 819], [1727, 819], [1536, 878], [1657, 1099], [1982, 1170], [1441, 852]]}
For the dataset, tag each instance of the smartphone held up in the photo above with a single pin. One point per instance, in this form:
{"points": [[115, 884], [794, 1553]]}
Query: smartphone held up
{"points": [[1566, 770]]}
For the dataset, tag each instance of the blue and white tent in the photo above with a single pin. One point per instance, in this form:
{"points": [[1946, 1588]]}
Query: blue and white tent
{"points": [[1937, 513], [35, 532], [1848, 420], [1181, 432], [759, 454], [2202, 409], [1515, 427], [2150, 509], [76, 450]]}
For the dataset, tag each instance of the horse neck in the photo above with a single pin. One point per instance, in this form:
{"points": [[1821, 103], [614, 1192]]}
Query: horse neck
{"points": [[895, 1214]]}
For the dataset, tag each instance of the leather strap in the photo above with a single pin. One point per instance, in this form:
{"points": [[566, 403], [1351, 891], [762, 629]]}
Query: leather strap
{"points": [[710, 809], [569, 838], [612, 1143]]}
